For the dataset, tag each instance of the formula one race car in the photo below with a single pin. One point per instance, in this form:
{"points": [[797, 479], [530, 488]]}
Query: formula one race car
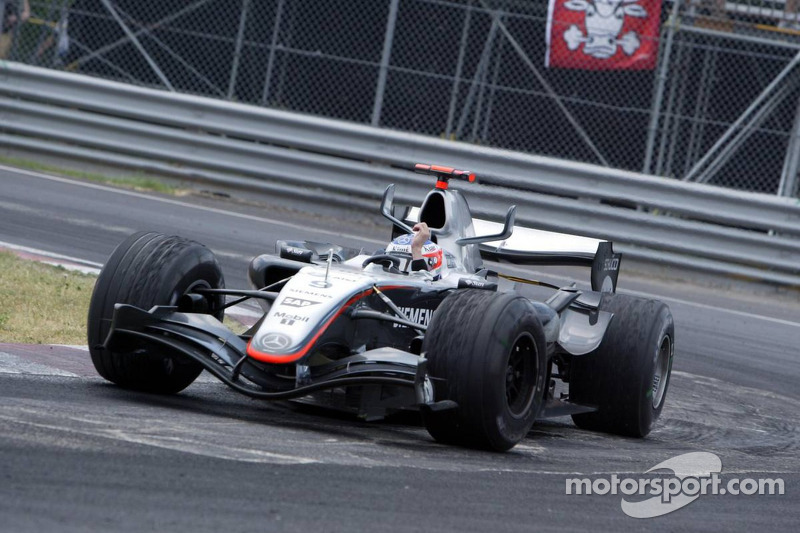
{"points": [[459, 343]]}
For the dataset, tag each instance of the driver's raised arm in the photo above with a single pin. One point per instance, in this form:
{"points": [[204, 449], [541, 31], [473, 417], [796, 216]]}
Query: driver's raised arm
{"points": [[421, 235]]}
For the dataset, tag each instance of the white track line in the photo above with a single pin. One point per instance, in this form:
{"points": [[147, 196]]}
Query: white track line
{"points": [[49, 255], [720, 309], [360, 238], [53, 259]]}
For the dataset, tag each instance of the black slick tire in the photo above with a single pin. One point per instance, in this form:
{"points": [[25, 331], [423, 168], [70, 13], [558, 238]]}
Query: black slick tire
{"points": [[145, 270], [627, 376], [486, 352]]}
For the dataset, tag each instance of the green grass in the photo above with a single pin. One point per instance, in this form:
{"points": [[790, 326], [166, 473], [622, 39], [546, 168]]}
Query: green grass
{"points": [[45, 304], [42, 304], [138, 183]]}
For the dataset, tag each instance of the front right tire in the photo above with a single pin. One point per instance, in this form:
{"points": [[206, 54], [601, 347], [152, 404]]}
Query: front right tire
{"points": [[486, 352]]}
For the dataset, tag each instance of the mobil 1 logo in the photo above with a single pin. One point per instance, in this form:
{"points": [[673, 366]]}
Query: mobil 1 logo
{"points": [[288, 319]]}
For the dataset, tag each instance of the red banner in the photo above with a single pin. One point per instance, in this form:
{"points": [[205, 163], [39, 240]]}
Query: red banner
{"points": [[603, 34]]}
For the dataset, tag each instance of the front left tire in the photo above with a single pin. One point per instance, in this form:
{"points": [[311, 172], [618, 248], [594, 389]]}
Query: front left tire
{"points": [[145, 270]]}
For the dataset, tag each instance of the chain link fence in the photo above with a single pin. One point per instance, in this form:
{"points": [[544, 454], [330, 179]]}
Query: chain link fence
{"points": [[716, 101]]}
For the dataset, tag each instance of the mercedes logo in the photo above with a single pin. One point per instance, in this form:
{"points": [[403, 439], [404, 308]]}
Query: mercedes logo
{"points": [[275, 342]]}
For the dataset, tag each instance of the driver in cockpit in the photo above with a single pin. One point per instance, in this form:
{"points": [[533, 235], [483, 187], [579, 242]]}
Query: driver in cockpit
{"points": [[425, 254]]}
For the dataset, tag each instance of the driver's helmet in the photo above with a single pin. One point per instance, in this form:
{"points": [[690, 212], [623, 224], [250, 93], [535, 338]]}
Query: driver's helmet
{"points": [[431, 252]]}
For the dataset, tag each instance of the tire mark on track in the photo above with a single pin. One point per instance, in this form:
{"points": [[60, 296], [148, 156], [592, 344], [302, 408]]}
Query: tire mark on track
{"points": [[147, 437]]}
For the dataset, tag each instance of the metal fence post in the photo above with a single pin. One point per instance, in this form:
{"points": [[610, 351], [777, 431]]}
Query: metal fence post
{"points": [[482, 90], [676, 120], [2, 23], [462, 50], [493, 90], [276, 28], [237, 54], [380, 89], [670, 117], [697, 133], [2, 14], [43, 31], [480, 70], [652, 129], [788, 183]]}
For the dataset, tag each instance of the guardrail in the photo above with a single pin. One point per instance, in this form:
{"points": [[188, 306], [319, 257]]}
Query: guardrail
{"points": [[700, 226]]}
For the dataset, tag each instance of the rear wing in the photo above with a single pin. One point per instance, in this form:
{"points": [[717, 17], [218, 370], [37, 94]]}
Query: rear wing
{"points": [[527, 246]]}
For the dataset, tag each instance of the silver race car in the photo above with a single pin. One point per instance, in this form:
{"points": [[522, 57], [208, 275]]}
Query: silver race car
{"points": [[457, 341]]}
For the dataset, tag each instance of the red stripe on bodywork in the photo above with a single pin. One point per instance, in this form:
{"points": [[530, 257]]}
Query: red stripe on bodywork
{"points": [[295, 356]]}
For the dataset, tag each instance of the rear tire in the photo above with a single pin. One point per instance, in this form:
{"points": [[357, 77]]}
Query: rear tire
{"points": [[145, 270], [627, 376], [488, 351]]}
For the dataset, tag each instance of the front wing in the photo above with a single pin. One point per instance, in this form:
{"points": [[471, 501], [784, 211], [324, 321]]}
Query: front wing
{"points": [[206, 340]]}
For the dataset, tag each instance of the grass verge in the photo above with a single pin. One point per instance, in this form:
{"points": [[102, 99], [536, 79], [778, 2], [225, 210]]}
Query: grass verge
{"points": [[45, 304], [42, 304], [137, 183]]}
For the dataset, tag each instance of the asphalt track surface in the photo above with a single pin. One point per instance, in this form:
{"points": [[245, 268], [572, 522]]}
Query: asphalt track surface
{"points": [[79, 454]]}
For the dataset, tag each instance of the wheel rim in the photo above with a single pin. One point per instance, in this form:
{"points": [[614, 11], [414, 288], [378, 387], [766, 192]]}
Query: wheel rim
{"points": [[521, 375], [661, 375], [199, 284]]}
